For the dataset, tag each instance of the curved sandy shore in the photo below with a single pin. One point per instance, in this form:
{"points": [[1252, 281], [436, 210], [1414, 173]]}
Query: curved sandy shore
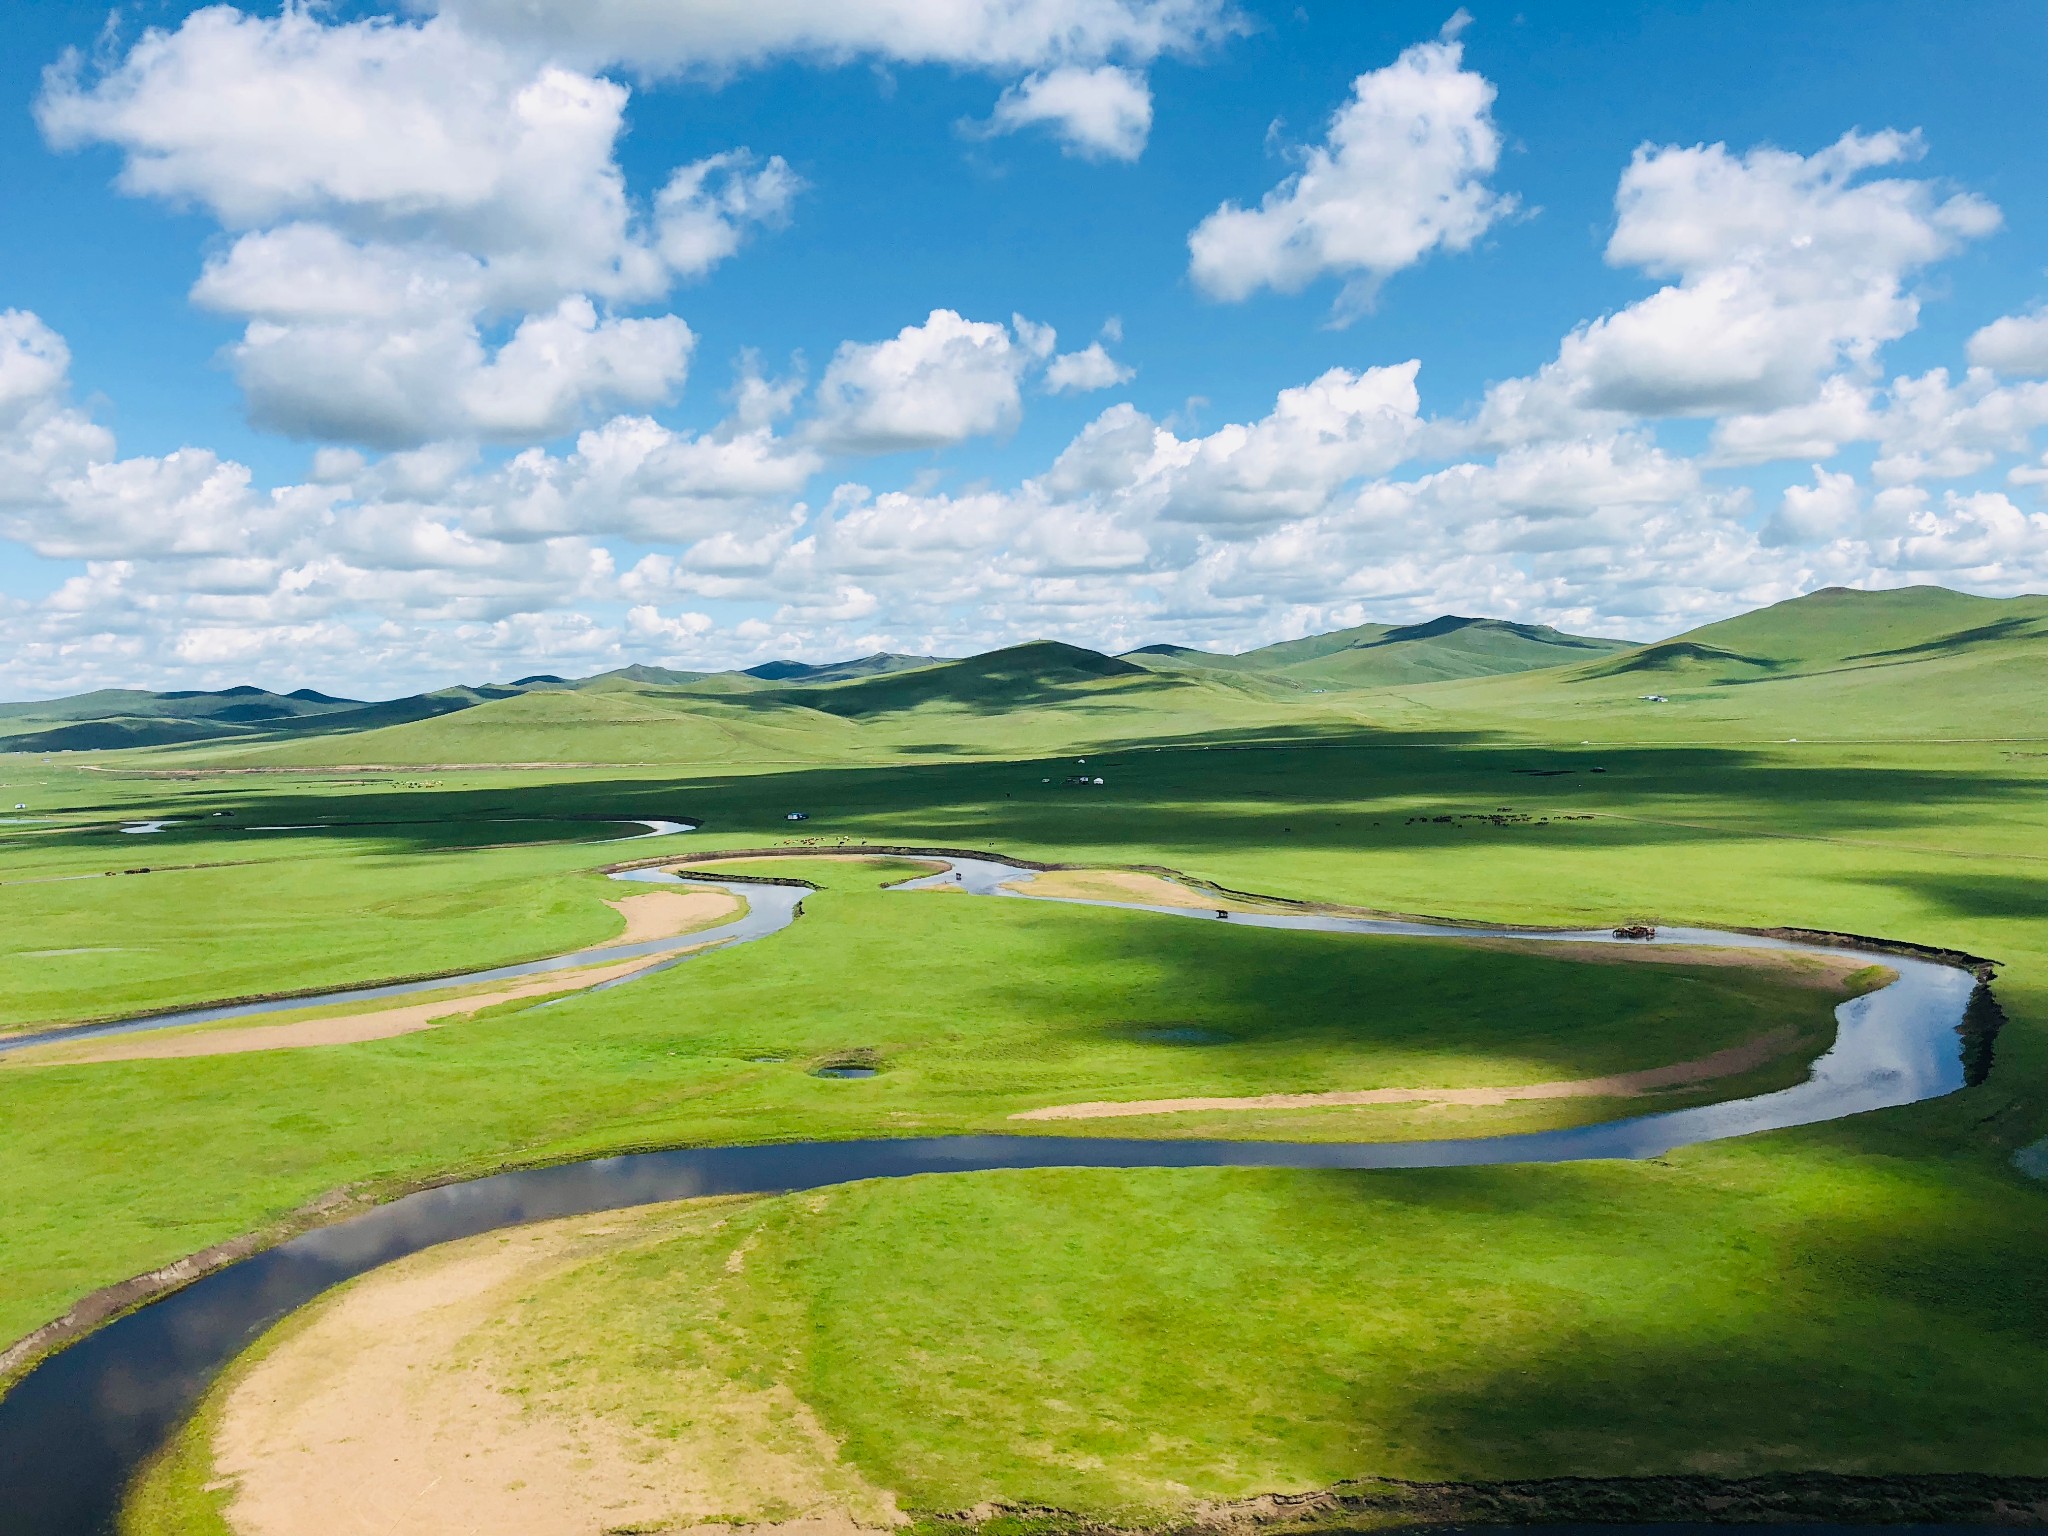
{"points": [[385, 1412], [655, 915], [1736, 1059]]}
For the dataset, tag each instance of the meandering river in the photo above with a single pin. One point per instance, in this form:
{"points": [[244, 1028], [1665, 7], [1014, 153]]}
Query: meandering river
{"points": [[78, 1426]]}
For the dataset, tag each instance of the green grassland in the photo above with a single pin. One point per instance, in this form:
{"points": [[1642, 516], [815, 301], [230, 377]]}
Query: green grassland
{"points": [[1383, 655], [1863, 1295], [1031, 1004], [1126, 1344]]}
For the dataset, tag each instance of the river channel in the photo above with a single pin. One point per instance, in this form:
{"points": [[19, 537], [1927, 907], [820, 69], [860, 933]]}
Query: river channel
{"points": [[78, 1426]]}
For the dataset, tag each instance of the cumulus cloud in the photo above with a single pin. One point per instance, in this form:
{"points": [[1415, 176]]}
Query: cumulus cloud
{"points": [[636, 477], [1317, 437], [1402, 171], [929, 385], [716, 36], [390, 387], [1339, 502], [1787, 269], [33, 363], [1080, 61], [404, 192], [2014, 344], [1080, 372], [384, 129], [1814, 514], [1104, 113], [703, 213], [1815, 429], [1933, 429]]}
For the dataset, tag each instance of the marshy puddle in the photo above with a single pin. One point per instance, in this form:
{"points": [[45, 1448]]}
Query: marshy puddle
{"points": [[845, 1069]]}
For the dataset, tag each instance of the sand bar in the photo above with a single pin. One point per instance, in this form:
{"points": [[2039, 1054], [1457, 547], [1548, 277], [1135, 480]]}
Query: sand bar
{"points": [[1734, 1060]]}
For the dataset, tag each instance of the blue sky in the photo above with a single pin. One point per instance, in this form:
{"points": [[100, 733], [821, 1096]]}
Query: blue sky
{"points": [[267, 409]]}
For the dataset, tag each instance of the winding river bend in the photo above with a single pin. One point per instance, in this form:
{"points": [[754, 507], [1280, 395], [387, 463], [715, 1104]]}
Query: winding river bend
{"points": [[78, 1426]]}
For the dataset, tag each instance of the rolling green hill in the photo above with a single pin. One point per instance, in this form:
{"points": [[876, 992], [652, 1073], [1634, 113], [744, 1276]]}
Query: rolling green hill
{"points": [[1917, 662], [840, 671], [127, 717], [1449, 647], [1036, 699], [1913, 661], [1383, 655]]}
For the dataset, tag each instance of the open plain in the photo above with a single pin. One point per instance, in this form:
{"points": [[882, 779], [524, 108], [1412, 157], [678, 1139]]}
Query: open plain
{"points": [[1137, 1347]]}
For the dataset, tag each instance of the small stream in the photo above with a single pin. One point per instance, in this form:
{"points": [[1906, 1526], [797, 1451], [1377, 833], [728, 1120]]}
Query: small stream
{"points": [[75, 1429]]}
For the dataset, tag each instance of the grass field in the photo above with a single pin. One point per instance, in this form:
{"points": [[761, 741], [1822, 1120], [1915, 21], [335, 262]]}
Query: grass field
{"points": [[1035, 1005], [1864, 1295]]}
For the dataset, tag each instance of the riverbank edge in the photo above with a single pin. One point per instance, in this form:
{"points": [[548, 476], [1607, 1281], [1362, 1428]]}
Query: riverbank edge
{"points": [[98, 1308], [1391, 1504]]}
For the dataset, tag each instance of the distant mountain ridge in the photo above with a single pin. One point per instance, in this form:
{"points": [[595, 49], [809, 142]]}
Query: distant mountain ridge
{"points": [[1876, 639]]}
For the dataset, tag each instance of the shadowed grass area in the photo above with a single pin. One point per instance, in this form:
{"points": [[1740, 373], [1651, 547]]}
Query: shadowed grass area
{"points": [[1859, 1295], [1126, 1346], [974, 1008]]}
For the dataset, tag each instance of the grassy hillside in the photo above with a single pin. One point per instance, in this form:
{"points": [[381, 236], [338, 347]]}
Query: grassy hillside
{"points": [[1383, 655], [840, 671], [1448, 647], [1040, 698], [621, 724], [1912, 662], [128, 717]]}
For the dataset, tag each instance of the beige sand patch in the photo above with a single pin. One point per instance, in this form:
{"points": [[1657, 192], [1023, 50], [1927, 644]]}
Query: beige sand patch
{"points": [[669, 914], [345, 1029], [386, 1413], [1732, 1062], [1113, 885]]}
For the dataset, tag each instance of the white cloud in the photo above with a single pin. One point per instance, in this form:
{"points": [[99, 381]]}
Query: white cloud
{"points": [[1815, 429], [675, 634], [1789, 268], [1080, 372], [407, 191], [703, 212], [2015, 344], [634, 476], [1556, 503], [1402, 172], [716, 36], [1935, 430], [1287, 464], [928, 386], [33, 364], [1814, 514], [387, 386], [1979, 540], [383, 129], [1104, 113]]}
